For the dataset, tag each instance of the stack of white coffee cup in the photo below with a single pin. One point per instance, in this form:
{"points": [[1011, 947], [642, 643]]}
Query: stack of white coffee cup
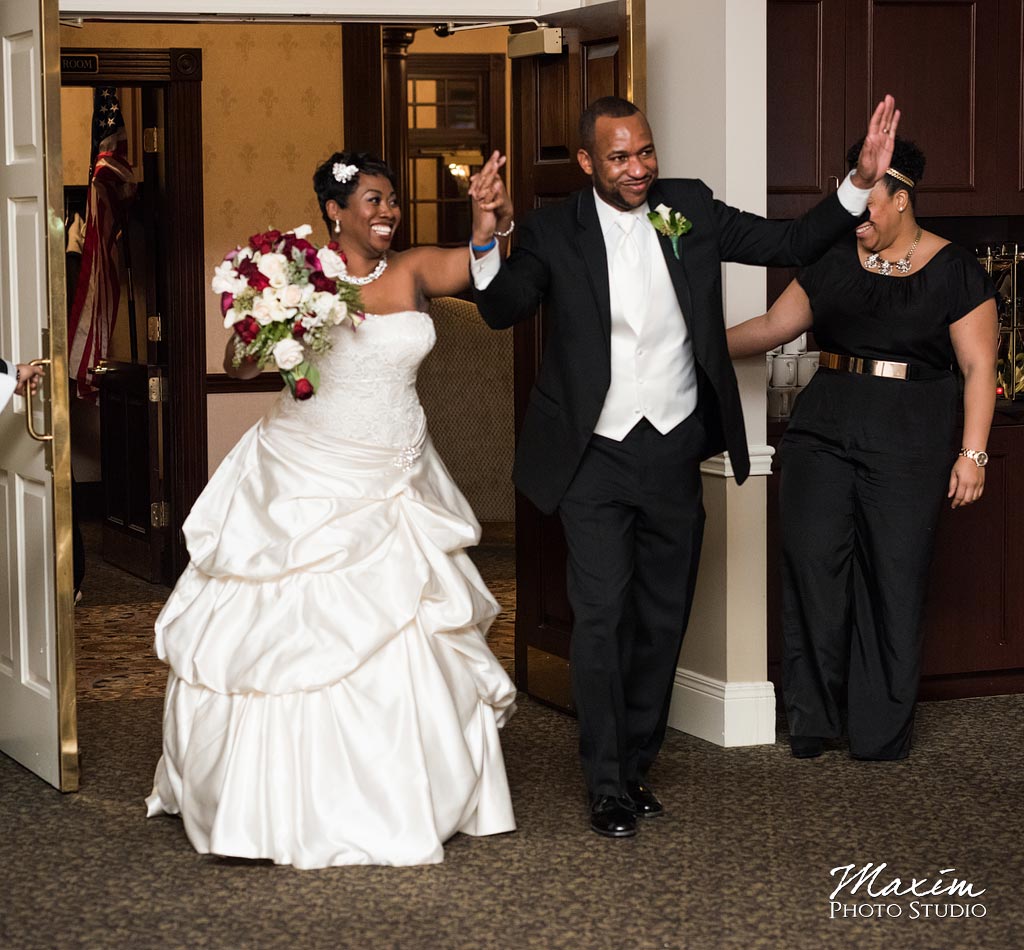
{"points": [[789, 368]]}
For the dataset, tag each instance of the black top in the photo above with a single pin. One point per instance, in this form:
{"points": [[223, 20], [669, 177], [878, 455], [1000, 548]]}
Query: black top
{"points": [[858, 312]]}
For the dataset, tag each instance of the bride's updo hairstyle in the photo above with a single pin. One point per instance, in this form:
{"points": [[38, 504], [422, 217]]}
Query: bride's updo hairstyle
{"points": [[338, 177]]}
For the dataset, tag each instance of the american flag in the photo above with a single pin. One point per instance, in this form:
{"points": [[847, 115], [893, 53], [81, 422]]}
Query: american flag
{"points": [[98, 293]]}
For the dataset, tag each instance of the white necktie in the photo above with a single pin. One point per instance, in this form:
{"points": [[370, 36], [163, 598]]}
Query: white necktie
{"points": [[629, 275], [628, 252]]}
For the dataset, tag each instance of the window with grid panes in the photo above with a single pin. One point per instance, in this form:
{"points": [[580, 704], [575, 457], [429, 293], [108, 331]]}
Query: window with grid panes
{"points": [[451, 115]]}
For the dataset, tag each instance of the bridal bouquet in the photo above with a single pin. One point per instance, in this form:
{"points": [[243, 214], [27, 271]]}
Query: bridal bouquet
{"points": [[281, 295]]}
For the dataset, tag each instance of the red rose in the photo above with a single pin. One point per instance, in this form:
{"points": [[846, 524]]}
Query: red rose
{"points": [[321, 281], [332, 245], [298, 330], [247, 329], [303, 388], [263, 241], [226, 300], [251, 273]]}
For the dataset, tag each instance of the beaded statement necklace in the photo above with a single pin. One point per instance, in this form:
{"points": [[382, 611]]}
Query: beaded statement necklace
{"points": [[885, 268], [382, 265]]}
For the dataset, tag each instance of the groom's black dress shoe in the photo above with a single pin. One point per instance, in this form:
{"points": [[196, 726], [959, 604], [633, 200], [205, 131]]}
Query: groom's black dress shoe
{"points": [[645, 802], [806, 747], [612, 816]]}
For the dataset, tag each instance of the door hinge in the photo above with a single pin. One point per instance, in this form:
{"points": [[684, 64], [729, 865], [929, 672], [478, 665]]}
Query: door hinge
{"points": [[159, 514], [154, 330], [158, 389], [152, 140]]}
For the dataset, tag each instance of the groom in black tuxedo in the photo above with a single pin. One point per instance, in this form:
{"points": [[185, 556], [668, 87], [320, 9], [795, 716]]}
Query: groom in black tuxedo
{"points": [[635, 389]]}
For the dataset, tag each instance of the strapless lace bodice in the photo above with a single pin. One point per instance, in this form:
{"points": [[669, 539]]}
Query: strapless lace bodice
{"points": [[367, 390]]}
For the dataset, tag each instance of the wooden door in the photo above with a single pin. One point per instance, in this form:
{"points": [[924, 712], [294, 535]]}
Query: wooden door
{"points": [[135, 516], [133, 387], [940, 60], [603, 55], [170, 206], [37, 651], [806, 133]]}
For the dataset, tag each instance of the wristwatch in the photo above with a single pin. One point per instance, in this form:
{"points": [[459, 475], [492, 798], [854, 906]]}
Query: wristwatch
{"points": [[979, 458]]}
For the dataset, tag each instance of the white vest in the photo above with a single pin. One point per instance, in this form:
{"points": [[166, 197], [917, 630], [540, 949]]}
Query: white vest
{"points": [[652, 371]]}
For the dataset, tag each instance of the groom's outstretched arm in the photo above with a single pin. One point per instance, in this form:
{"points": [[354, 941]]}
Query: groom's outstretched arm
{"points": [[750, 239], [510, 290]]}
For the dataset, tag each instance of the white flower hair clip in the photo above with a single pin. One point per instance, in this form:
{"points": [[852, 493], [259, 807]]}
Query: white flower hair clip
{"points": [[344, 173]]}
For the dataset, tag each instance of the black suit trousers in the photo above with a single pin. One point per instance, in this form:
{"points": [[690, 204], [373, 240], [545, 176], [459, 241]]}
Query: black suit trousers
{"points": [[634, 522]]}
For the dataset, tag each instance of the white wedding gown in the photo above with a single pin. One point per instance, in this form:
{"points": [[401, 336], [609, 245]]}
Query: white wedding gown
{"points": [[331, 698]]}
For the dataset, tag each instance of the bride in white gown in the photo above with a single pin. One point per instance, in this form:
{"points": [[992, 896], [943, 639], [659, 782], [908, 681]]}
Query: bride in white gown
{"points": [[331, 698]]}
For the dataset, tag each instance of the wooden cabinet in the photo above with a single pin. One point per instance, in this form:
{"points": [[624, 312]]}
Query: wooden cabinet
{"points": [[954, 67], [973, 624]]}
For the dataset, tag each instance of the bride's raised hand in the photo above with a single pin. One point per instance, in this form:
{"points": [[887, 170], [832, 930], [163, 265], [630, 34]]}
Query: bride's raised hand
{"points": [[491, 203]]}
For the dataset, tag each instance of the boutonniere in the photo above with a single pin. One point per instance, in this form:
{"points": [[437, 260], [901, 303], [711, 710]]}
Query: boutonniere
{"points": [[670, 223]]}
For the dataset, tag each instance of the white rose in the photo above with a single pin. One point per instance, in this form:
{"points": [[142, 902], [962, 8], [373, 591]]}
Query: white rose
{"points": [[303, 231], [330, 263], [666, 213], [226, 280], [288, 353], [230, 319], [290, 295], [265, 311], [272, 266], [323, 305], [243, 254], [278, 281]]}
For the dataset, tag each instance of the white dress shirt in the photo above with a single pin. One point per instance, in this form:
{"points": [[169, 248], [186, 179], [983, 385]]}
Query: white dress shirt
{"points": [[652, 371]]}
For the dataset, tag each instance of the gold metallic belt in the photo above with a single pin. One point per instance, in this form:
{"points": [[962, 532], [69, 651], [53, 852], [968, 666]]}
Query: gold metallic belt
{"points": [[857, 364]]}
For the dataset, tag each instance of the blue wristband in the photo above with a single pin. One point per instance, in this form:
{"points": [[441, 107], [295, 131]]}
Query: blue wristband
{"points": [[483, 247]]}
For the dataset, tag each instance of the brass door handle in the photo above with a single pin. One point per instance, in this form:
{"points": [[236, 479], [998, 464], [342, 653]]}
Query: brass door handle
{"points": [[28, 407]]}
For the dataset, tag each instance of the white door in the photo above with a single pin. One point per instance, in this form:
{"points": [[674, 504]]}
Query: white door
{"points": [[37, 672]]}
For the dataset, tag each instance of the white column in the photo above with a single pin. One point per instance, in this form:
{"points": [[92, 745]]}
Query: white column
{"points": [[706, 102]]}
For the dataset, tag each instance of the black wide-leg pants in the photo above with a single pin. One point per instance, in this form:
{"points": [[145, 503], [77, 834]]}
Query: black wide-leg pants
{"points": [[865, 469], [634, 522]]}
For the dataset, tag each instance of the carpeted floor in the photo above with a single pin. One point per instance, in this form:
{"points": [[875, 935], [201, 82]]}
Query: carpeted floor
{"points": [[742, 858]]}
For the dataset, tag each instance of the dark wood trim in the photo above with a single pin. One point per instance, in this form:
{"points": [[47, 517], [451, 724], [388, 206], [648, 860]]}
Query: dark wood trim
{"points": [[966, 685], [185, 320], [396, 41], [220, 384], [134, 67], [362, 69]]}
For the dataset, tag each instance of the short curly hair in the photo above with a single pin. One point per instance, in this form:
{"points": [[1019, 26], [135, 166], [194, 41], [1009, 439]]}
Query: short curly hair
{"points": [[906, 158], [328, 187]]}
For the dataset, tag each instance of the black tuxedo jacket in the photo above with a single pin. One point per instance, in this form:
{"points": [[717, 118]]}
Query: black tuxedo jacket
{"points": [[560, 262]]}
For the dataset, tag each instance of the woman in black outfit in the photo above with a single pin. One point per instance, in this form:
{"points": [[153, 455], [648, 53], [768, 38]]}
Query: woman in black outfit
{"points": [[868, 457]]}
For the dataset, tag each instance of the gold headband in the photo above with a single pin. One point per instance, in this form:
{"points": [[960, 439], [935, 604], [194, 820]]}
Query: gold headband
{"points": [[899, 176]]}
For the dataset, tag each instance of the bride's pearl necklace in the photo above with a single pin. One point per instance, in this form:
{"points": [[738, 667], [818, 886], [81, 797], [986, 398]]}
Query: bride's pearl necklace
{"points": [[382, 265]]}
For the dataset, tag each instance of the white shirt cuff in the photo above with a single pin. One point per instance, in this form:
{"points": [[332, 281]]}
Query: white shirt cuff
{"points": [[484, 269], [852, 198]]}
